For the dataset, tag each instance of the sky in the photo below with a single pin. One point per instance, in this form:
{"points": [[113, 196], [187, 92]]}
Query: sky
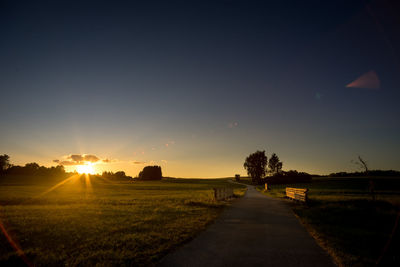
{"points": [[196, 86]]}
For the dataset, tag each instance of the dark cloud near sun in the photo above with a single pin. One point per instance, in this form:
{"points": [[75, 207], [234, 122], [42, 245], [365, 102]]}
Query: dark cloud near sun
{"points": [[79, 159], [76, 158], [90, 158], [84, 157], [69, 163], [138, 162]]}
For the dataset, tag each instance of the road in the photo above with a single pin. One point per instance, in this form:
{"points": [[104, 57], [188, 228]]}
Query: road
{"points": [[255, 230]]}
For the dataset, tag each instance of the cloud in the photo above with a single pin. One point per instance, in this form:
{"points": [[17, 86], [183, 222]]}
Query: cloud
{"points": [[164, 161], [69, 163], [138, 162], [90, 158], [76, 158], [80, 159]]}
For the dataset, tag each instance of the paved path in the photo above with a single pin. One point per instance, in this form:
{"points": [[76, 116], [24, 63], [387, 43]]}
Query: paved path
{"points": [[255, 230]]}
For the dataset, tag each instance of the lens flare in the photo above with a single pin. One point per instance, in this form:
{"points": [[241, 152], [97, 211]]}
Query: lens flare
{"points": [[15, 246]]}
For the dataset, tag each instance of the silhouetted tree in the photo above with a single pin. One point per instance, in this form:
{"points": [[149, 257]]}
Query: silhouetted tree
{"points": [[32, 165], [151, 173], [361, 163], [120, 174], [4, 162], [256, 166], [274, 165], [59, 169]]}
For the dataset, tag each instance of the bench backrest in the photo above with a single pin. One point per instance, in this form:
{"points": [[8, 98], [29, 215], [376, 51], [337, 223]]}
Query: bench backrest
{"points": [[299, 194], [222, 193]]}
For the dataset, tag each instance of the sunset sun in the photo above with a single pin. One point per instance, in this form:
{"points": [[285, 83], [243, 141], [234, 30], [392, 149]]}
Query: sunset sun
{"points": [[88, 169]]}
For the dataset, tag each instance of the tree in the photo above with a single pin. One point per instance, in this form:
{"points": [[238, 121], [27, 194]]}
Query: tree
{"points": [[120, 175], [32, 166], [4, 162], [274, 165], [256, 166], [151, 173], [362, 164]]}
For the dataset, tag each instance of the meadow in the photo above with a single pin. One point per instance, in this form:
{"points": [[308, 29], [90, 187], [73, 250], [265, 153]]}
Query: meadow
{"points": [[345, 219], [100, 222]]}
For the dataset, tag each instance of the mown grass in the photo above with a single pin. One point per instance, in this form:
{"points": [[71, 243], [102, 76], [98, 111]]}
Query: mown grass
{"points": [[107, 223], [342, 215]]}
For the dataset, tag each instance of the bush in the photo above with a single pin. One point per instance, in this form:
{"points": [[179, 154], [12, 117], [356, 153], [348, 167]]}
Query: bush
{"points": [[150, 173]]}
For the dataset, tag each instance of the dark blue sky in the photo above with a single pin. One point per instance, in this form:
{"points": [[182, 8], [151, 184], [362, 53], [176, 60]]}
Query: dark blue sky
{"points": [[198, 85]]}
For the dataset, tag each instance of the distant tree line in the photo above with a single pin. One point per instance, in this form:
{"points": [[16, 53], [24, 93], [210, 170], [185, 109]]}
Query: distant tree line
{"points": [[379, 173], [288, 177], [31, 169], [119, 176]]}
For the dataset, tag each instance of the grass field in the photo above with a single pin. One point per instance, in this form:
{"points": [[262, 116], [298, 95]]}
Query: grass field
{"points": [[104, 223], [345, 220]]}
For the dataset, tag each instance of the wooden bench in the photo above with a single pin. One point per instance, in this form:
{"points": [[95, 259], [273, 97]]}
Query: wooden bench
{"points": [[299, 194], [222, 193]]}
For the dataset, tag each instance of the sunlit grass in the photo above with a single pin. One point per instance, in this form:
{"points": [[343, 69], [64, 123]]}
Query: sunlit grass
{"points": [[105, 223]]}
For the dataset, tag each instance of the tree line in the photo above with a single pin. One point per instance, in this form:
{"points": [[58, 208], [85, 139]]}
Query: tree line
{"points": [[379, 173], [29, 169]]}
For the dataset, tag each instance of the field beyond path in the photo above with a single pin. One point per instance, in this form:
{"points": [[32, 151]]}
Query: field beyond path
{"points": [[255, 230]]}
